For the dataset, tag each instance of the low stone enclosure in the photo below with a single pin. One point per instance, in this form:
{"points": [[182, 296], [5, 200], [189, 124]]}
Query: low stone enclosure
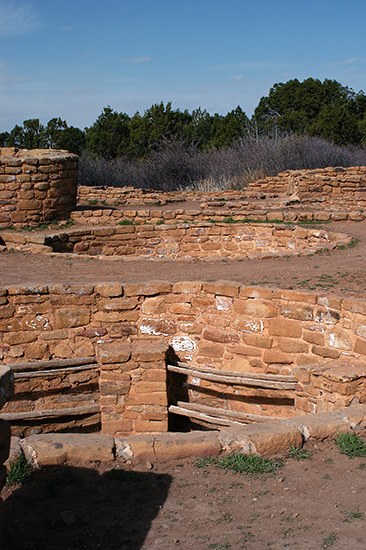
{"points": [[181, 241], [139, 358]]}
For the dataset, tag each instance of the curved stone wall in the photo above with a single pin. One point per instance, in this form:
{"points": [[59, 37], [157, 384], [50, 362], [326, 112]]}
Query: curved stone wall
{"points": [[36, 186], [319, 339], [181, 241]]}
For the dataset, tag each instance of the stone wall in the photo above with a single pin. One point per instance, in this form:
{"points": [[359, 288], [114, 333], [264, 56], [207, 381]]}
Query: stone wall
{"points": [[36, 186], [182, 241], [6, 392], [222, 325], [334, 186]]}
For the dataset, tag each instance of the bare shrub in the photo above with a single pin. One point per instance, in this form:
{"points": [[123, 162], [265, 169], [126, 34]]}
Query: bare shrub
{"points": [[174, 165]]}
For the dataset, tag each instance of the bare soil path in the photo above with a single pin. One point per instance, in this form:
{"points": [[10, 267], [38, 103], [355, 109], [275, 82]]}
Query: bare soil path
{"points": [[312, 504], [341, 272]]}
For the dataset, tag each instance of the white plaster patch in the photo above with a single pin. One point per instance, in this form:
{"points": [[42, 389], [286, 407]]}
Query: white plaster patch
{"points": [[148, 329], [361, 331], [183, 343], [252, 326], [39, 320], [223, 303], [196, 381]]}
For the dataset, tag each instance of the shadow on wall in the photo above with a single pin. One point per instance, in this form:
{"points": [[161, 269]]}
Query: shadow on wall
{"points": [[64, 507]]}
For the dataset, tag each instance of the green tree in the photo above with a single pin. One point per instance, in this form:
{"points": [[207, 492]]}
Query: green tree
{"points": [[109, 136], [158, 124], [4, 136], [308, 107], [225, 130]]}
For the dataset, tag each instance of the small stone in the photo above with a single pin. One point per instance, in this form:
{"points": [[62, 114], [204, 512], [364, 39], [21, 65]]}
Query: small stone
{"points": [[68, 517], [148, 465], [281, 479]]}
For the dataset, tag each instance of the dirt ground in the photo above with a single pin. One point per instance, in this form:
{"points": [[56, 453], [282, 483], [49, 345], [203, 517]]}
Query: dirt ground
{"points": [[310, 504], [316, 503], [341, 272]]}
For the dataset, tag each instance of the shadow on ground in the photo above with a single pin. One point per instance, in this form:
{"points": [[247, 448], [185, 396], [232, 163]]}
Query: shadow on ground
{"points": [[65, 507]]}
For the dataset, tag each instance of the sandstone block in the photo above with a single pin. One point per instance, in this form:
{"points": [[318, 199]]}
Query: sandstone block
{"points": [[72, 317], [146, 289], [181, 445], [53, 449], [222, 288], [109, 290], [255, 307], [220, 335], [320, 425], [113, 352], [138, 447], [157, 327], [284, 327]]}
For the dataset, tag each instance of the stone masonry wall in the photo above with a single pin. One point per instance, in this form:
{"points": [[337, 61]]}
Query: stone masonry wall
{"points": [[184, 241], [335, 186], [221, 325], [36, 186]]}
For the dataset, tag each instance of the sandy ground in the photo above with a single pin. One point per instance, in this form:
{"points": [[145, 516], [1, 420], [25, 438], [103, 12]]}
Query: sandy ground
{"points": [[341, 272], [312, 504]]}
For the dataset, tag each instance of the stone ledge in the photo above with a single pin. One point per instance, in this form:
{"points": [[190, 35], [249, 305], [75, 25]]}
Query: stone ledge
{"points": [[265, 439]]}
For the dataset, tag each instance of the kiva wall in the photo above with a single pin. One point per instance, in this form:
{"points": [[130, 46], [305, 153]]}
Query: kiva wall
{"points": [[182, 241], [222, 325], [36, 186]]}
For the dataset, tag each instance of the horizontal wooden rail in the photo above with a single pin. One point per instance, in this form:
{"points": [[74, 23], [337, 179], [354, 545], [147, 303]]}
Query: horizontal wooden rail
{"points": [[277, 382], [51, 413], [52, 364], [238, 416], [53, 372], [201, 416]]}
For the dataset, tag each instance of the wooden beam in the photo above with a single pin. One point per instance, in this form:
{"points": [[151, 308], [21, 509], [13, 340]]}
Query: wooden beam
{"points": [[53, 372], [52, 364], [254, 375], [200, 416], [235, 415], [51, 413], [239, 379]]}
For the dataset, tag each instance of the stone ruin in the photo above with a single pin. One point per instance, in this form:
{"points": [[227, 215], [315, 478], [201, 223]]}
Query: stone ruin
{"points": [[145, 364]]}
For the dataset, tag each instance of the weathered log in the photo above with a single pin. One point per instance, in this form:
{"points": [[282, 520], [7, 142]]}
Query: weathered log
{"points": [[52, 364], [239, 379], [53, 372], [51, 413], [201, 416], [235, 415], [254, 375]]}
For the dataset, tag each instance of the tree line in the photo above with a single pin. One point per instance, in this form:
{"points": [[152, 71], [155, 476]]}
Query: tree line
{"points": [[309, 108]]}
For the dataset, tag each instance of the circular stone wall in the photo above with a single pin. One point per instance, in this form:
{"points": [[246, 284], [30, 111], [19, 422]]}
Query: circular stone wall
{"points": [[36, 186]]}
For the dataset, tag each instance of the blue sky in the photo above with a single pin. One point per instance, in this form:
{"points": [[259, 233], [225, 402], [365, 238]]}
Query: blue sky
{"points": [[72, 58]]}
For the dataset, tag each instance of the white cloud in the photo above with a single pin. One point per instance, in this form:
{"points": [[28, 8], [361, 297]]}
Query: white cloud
{"points": [[66, 28], [237, 76], [17, 18], [142, 59], [349, 61]]}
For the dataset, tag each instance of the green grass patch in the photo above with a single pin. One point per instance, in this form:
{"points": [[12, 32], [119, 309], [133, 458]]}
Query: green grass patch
{"points": [[350, 516], [329, 541], [125, 222], [350, 444], [298, 453], [248, 464], [19, 471]]}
